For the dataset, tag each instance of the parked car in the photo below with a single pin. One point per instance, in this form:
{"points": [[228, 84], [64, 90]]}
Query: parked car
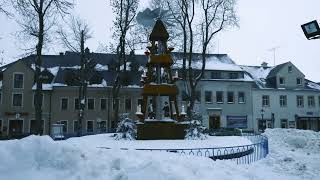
{"points": [[225, 132]]}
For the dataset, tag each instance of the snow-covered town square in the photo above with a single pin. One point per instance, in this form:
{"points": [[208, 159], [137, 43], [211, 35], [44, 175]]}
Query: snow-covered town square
{"points": [[159, 90]]}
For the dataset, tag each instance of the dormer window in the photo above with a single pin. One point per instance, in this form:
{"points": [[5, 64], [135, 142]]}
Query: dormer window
{"points": [[233, 75], [281, 81], [289, 69], [299, 81], [215, 75]]}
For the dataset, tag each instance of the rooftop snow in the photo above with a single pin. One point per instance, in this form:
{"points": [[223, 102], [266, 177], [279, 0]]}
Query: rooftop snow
{"points": [[213, 62], [258, 73], [313, 85]]}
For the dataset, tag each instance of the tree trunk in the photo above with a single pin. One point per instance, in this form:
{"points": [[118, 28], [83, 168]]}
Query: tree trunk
{"points": [[38, 63], [82, 87]]}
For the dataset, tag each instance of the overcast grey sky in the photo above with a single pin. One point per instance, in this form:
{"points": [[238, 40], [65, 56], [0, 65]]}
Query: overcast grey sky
{"points": [[264, 24]]}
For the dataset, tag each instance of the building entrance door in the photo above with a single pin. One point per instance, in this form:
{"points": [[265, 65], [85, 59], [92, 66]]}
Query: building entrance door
{"points": [[15, 127], [214, 122], [302, 124]]}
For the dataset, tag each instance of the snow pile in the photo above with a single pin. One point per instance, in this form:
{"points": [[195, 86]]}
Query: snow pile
{"points": [[295, 152], [38, 158]]}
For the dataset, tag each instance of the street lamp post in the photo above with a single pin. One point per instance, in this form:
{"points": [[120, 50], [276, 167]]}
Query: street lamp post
{"points": [[263, 123], [311, 30]]}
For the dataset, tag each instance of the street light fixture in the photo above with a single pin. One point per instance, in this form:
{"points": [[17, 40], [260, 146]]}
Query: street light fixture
{"points": [[311, 30]]}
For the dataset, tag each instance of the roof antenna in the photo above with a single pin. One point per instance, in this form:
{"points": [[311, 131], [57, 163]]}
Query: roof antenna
{"points": [[274, 49]]}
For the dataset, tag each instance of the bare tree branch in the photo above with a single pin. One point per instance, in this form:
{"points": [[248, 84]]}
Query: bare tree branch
{"points": [[36, 18]]}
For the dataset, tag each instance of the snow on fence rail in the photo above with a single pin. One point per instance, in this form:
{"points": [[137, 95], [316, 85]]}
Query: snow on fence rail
{"points": [[244, 154]]}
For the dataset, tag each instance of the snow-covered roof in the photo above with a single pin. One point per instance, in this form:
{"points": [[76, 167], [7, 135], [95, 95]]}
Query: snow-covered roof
{"points": [[220, 62], [258, 74], [313, 85]]}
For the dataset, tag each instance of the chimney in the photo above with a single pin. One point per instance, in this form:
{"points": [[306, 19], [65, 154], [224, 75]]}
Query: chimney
{"points": [[61, 53], [264, 65]]}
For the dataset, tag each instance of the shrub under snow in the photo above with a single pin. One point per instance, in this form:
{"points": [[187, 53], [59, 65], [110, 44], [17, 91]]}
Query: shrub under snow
{"points": [[126, 129], [195, 130]]}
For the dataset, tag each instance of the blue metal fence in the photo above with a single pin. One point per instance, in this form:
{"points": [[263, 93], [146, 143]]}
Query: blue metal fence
{"points": [[245, 154]]}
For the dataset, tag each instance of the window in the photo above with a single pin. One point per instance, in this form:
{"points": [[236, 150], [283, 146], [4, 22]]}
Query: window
{"points": [[300, 102], [219, 95], [34, 99], [128, 104], [241, 97], [90, 104], [283, 100], [33, 126], [265, 100], [233, 75], [208, 96], [299, 81], [65, 125], [89, 126], [64, 103], [289, 69], [103, 126], [76, 104], [103, 104], [230, 97], [281, 81], [215, 75], [284, 123], [18, 81], [75, 126], [17, 100], [311, 101], [114, 101]]}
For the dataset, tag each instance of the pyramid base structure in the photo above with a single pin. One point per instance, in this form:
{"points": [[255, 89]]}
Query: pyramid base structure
{"points": [[160, 129]]}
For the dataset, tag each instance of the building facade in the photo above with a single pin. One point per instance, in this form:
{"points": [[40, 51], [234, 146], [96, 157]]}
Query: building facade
{"points": [[228, 95]]}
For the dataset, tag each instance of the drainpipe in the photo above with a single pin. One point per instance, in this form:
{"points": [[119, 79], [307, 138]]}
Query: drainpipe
{"points": [[50, 111], [108, 111]]}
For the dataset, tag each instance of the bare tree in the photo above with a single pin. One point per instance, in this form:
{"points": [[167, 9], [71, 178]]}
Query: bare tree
{"points": [[74, 38], [3, 9], [215, 16], [36, 18], [125, 12]]}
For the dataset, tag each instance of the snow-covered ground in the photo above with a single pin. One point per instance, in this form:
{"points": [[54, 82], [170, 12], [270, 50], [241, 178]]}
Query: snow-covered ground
{"points": [[105, 140], [294, 154]]}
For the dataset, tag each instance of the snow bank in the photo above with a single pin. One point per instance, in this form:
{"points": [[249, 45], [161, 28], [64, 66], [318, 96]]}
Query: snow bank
{"points": [[38, 158], [295, 152]]}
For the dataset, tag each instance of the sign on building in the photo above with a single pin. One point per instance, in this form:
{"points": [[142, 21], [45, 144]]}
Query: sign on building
{"points": [[237, 122]]}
